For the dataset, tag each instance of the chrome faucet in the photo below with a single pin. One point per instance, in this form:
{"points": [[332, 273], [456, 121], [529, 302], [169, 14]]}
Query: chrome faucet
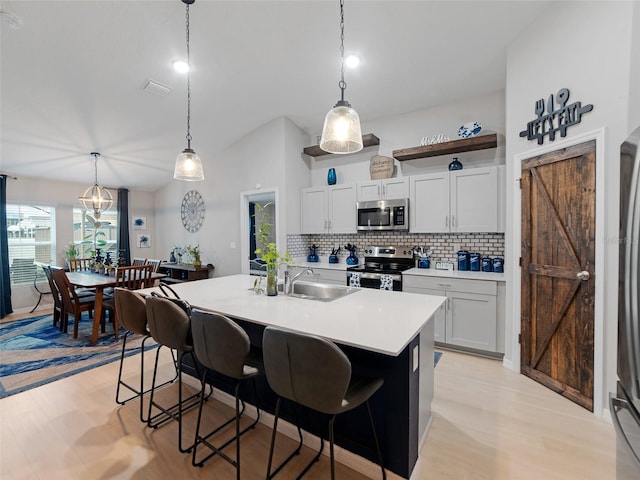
{"points": [[288, 282]]}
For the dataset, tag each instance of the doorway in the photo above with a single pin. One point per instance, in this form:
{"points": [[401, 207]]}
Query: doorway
{"points": [[248, 201], [558, 270]]}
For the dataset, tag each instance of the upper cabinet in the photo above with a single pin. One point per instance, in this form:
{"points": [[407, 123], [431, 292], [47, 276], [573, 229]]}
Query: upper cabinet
{"points": [[386, 189], [469, 200], [368, 140], [328, 209], [481, 142]]}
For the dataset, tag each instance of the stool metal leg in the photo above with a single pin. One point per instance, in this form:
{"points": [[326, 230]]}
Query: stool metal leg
{"points": [[375, 437]]}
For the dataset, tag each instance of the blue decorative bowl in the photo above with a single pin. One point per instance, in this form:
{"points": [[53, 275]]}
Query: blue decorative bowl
{"points": [[470, 129]]}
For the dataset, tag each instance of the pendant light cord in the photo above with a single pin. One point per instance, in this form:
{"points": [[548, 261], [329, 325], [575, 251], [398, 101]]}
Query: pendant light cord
{"points": [[188, 86], [342, 84], [95, 167]]}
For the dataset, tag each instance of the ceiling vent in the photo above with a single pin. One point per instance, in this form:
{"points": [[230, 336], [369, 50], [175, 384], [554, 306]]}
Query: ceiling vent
{"points": [[156, 88]]}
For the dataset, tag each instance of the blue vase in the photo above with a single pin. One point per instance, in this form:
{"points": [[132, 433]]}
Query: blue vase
{"points": [[455, 165], [331, 176]]}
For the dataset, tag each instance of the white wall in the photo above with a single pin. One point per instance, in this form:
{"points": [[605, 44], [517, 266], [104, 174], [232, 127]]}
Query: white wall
{"points": [[585, 47], [258, 161], [64, 197]]}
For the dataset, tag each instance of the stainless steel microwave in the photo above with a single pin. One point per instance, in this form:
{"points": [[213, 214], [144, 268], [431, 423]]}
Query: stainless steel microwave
{"points": [[383, 215]]}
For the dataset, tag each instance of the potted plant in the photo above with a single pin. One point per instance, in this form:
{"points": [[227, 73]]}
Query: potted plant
{"points": [[71, 251], [267, 250], [194, 252]]}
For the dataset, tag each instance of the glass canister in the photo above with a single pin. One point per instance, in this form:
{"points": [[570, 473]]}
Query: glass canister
{"points": [[474, 262], [463, 260]]}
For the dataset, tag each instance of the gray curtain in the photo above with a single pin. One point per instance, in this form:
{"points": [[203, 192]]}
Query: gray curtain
{"points": [[5, 282], [124, 248]]}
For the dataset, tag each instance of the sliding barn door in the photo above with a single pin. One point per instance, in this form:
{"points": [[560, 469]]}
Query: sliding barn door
{"points": [[558, 254]]}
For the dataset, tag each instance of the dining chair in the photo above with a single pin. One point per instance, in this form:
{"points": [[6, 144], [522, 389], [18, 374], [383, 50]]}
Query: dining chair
{"points": [[222, 346], [131, 278], [155, 263], [312, 371], [137, 261], [73, 304], [58, 307], [79, 264]]}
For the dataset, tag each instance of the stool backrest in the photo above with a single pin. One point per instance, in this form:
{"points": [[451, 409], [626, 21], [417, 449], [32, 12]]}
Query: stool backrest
{"points": [[169, 325], [219, 343], [131, 310], [307, 369]]}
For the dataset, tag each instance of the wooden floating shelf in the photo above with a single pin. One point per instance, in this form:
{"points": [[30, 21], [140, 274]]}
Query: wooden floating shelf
{"points": [[447, 148], [368, 140]]}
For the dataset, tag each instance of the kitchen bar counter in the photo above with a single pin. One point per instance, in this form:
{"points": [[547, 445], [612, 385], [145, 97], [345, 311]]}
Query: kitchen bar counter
{"points": [[384, 334]]}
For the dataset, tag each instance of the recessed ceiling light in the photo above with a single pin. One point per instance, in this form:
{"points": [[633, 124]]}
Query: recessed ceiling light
{"points": [[352, 61], [181, 66]]}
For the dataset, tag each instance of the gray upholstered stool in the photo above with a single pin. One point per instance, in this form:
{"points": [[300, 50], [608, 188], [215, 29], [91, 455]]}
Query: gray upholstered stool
{"points": [[222, 346], [170, 326], [131, 311], [312, 371]]}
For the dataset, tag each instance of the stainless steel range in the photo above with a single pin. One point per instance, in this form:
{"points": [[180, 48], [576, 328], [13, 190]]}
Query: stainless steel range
{"points": [[379, 261]]}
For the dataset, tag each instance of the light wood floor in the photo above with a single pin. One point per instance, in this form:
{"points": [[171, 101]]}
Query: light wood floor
{"points": [[488, 423]]}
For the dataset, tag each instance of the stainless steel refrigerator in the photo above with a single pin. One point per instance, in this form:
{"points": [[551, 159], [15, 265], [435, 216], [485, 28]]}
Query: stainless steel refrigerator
{"points": [[625, 403]]}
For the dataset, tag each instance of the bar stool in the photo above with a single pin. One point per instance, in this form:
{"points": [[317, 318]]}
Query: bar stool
{"points": [[222, 346], [313, 372], [170, 326], [131, 309]]}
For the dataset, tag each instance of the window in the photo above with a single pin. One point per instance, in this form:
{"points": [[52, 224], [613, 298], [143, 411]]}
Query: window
{"points": [[30, 229], [105, 237]]}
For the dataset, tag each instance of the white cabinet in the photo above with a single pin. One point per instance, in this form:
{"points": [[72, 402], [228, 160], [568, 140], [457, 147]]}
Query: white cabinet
{"points": [[469, 200], [385, 189], [329, 209], [472, 313]]}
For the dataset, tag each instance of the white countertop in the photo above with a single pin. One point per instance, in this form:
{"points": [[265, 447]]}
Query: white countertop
{"points": [[323, 263], [432, 272], [374, 320]]}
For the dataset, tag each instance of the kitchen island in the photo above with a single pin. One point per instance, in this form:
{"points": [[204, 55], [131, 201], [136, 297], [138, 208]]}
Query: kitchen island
{"points": [[384, 333]]}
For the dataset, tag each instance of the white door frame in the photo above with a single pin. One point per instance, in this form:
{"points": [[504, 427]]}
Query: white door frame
{"points": [[246, 197], [513, 271]]}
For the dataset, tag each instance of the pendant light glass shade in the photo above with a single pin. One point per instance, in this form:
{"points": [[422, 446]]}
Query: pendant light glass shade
{"points": [[188, 166], [96, 198], [341, 132]]}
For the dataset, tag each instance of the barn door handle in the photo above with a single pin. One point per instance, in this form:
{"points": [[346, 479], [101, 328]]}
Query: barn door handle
{"points": [[583, 275]]}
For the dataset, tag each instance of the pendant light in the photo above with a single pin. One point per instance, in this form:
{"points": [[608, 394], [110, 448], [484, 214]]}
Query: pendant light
{"points": [[188, 165], [341, 132], [96, 198]]}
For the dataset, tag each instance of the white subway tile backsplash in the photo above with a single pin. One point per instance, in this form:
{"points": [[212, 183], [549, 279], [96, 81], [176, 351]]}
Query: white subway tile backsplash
{"points": [[442, 244]]}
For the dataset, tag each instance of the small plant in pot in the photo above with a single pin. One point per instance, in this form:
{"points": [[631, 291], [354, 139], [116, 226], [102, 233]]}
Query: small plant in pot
{"points": [[268, 251]]}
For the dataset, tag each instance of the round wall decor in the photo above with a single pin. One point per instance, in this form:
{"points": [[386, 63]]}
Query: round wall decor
{"points": [[192, 211]]}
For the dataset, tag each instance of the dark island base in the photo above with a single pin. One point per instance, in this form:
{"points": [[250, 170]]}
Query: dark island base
{"points": [[394, 406]]}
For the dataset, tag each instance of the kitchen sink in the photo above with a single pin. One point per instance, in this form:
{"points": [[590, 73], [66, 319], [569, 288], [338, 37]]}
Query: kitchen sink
{"points": [[320, 291]]}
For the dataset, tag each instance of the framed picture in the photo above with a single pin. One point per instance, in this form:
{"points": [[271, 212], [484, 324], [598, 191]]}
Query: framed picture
{"points": [[139, 223], [144, 241]]}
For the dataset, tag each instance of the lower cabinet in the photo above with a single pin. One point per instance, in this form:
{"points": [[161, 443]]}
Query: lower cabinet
{"points": [[473, 315]]}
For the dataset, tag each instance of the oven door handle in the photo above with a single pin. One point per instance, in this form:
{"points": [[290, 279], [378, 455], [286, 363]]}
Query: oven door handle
{"points": [[376, 276]]}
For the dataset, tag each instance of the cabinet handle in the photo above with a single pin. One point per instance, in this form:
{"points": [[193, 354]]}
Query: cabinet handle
{"points": [[378, 190], [446, 286], [446, 221], [384, 191], [453, 220], [325, 225], [329, 224]]}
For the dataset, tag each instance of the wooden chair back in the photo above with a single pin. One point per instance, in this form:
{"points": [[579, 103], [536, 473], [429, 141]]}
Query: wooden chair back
{"points": [[134, 277], [137, 261], [68, 295], [79, 264], [58, 309]]}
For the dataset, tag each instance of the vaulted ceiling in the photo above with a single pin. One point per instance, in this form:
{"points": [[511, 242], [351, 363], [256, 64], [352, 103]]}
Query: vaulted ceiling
{"points": [[72, 75]]}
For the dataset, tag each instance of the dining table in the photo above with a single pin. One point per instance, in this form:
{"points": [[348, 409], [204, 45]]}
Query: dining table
{"points": [[98, 282]]}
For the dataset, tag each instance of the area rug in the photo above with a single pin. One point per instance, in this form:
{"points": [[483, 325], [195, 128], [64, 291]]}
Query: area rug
{"points": [[33, 352]]}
